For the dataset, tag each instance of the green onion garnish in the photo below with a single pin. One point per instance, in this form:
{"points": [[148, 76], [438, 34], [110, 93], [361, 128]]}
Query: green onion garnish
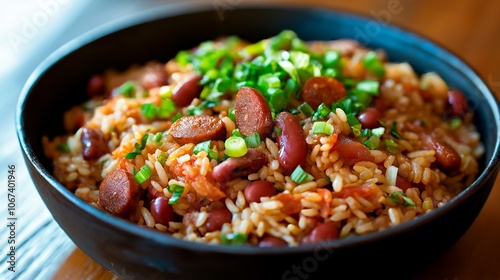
{"points": [[253, 140], [205, 147], [157, 138], [299, 176], [322, 112], [331, 59], [373, 64], [455, 123], [235, 146], [176, 191], [391, 146], [231, 115], [138, 147], [126, 89], [167, 107], [233, 238], [162, 158], [63, 147], [369, 86], [394, 131], [306, 109], [149, 110], [176, 117], [322, 128], [401, 198], [143, 174]]}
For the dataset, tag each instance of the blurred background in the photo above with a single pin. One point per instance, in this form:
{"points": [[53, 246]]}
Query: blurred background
{"points": [[32, 29]]}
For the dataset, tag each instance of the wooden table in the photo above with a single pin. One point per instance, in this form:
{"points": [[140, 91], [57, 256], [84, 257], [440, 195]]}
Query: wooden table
{"points": [[467, 28]]}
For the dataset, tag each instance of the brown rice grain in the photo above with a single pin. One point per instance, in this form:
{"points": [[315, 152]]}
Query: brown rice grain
{"points": [[201, 218], [148, 218], [231, 206], [309, 212], [305, 187]]}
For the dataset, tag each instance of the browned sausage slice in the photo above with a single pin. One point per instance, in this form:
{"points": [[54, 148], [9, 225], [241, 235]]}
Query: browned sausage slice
{"points": [[319, 90], [291, 142], [119, 192], [351, 151], [196, 129], [252, 113], [93, 144], [231, 168]]}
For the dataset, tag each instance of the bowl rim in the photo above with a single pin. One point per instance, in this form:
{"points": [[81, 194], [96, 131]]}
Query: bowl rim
{"points": [[182, 9]]}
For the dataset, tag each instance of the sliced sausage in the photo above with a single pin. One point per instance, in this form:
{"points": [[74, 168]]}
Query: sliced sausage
{"points": [[237, 167], [196, 129], [291, 142], [351, 151], [93, 144], [119, 192], [370, 118], [319, 90], [271, 241], [161, 211], [217, 218], [457, 103], [322, 232], [446, 157], [187, 90], [154, 76], [257, 189], [252, 113]]}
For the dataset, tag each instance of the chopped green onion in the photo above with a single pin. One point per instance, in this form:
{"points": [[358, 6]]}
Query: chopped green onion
{"points": [[162, 158], [253, 140], [331, 59], [290, 69], [299, 176], [306, 109], [394, 131], [299, 59], [369, 86], [176, 117], [391, 146], [157, 138], [322, 128], [401, 198], [373, 135], [63, 147], [356, 129], [277, 131], [373, 64], [294, 111], [143, 174], [149, 110], [176, 191], [455, 123], [205, 147], [182, 58], [167, 107], [231, 115], [126, 89], [236, 132], [235, 146], [322, 112], [138, 147], [233, 238]]}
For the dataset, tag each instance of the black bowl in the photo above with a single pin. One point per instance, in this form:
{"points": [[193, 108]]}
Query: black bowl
{"points": [[133, 252]]}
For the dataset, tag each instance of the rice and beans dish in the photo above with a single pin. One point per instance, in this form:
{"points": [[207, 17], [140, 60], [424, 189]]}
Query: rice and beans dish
{"points": [[281, 142]]}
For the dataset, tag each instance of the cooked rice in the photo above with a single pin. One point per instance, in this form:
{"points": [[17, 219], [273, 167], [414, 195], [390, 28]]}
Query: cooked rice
{"points": [[352, 210]]}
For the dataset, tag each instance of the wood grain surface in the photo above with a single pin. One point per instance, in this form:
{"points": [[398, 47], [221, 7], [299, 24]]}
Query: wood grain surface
{"points": [[469, 29]]}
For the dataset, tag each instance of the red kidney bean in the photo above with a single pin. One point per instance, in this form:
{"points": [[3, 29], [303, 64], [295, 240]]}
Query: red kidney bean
{"points": [[291, 142], [232, 168], [457, 103], [322, 232], [119, 192], [155, 76], [257, 189], [446, 157], [218, 217], [271, 241], [351, 151], [161, 211], [93, 144], [252, 113], [196, 129], [319, 90], [96, 86], [186, 91], [369, 118]]}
